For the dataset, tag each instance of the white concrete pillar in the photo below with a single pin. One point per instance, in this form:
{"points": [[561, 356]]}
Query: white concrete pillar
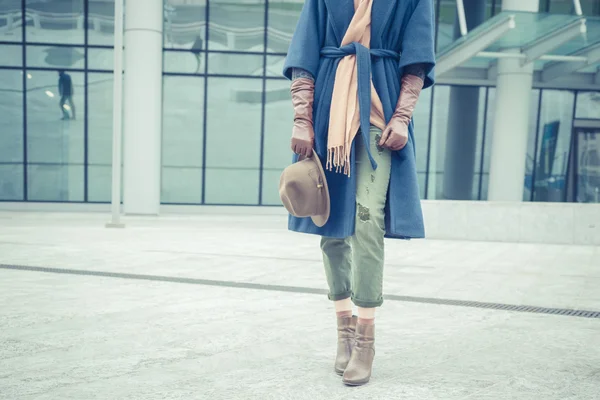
{"points": [[142, 106], [511, 122]]}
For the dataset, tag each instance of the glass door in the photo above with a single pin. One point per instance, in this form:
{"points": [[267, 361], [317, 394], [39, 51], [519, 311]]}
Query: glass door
{"points": [[586, 149]]}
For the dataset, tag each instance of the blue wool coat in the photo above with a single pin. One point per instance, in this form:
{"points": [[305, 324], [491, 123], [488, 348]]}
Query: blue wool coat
{"points": [[401, 34]]}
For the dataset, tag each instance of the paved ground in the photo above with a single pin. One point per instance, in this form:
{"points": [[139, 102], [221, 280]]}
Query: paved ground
{"points": [[247, 319]]}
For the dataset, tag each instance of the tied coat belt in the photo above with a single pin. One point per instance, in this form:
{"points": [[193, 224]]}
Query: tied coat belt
{"points": [[363, 63]]}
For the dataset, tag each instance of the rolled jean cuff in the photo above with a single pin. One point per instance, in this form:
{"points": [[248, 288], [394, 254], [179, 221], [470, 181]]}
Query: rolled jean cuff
{"points": [[340, 296], [366, 304]]}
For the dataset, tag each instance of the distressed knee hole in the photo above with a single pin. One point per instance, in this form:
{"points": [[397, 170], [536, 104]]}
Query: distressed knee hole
{"points": [[363, 213], [377, 140]]}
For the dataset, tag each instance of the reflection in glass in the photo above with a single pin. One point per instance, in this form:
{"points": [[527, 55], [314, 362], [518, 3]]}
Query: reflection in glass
{"points": [[55, 57], [100, 99], [11, 55], [279, 118], [55, 21], [237, 25], [11, 181], [55, 182], [186, 62], [590, 7], [101, 22], [11, 21], [487, 153], [445, 25], [181, 185], [235, 64], [54, 117], [100, 102], [11, 116], [283, 17], [554, 139], [233, 140], [438, 136], [99, 183], [184, 25], [275, 66], [101, 59], [182, 142], [588, 166], [588, 105], [421, 121], [464, 158]]}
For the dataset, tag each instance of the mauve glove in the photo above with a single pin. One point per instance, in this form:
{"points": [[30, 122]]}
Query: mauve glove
{"points": [[395, 135], [303, 134]]}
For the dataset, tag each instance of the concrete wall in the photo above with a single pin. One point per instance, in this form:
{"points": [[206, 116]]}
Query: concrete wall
{"points": [[559, 223], [555, 223]]}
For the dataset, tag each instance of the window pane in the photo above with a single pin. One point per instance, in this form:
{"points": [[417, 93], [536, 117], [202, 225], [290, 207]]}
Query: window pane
{"points": [[455, 160], [101, 25], [283, 17], [588, 105], [562, 7], [235, 64], [11, 116], [181, 185], [11, 181], [556, 118], [182, 142], [55, 21], [102, 59], [11, 55], [99, 183], [233, 140], [445, 26], [421, 121], [231, 186], [275, 66], [184, 62], [11, 21], [184, 25], [50, 139], [55, 57], [590, 7], [279, 119], [270, 189], [100, 118], [533, 116], [53, 182], [237, 25], [438, 137]]}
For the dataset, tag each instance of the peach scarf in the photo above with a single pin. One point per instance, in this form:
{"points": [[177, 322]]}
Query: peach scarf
{"points": [[344, 120]]}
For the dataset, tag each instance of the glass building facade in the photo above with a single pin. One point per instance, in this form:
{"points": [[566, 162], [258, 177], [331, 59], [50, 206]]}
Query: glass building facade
{"points": [[226, 109]]}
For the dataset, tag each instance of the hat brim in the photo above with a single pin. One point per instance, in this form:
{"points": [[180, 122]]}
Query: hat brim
{"points": [[321, 220]]}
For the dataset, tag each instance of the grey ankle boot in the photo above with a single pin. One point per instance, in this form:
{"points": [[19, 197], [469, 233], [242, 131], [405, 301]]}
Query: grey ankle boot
{"points": [[345, 327], [358, 371]]}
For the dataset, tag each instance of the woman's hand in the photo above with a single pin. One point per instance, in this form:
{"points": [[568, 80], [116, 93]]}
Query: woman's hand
{"points": [[395, 135]]}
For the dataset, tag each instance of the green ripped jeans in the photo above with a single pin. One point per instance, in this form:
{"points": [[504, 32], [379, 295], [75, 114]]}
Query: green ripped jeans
{"points": [[354, 265]]}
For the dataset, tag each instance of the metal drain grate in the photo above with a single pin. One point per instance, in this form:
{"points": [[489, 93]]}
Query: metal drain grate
{"points": [[499, 306], [306, 290]]}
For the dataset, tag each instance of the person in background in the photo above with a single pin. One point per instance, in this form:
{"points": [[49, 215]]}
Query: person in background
{"points": [[196, 49], [65, 90], [357, 69]]}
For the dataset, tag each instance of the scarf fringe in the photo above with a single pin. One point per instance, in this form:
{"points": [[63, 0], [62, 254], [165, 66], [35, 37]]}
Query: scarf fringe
{"points": [[339, 157]]}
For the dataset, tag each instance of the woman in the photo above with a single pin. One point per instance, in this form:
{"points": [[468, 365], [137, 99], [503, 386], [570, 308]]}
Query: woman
{"points": [[357, 68]]}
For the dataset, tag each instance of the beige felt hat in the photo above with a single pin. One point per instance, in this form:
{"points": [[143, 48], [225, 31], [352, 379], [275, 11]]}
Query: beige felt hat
{"points": [[303, 190]]}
